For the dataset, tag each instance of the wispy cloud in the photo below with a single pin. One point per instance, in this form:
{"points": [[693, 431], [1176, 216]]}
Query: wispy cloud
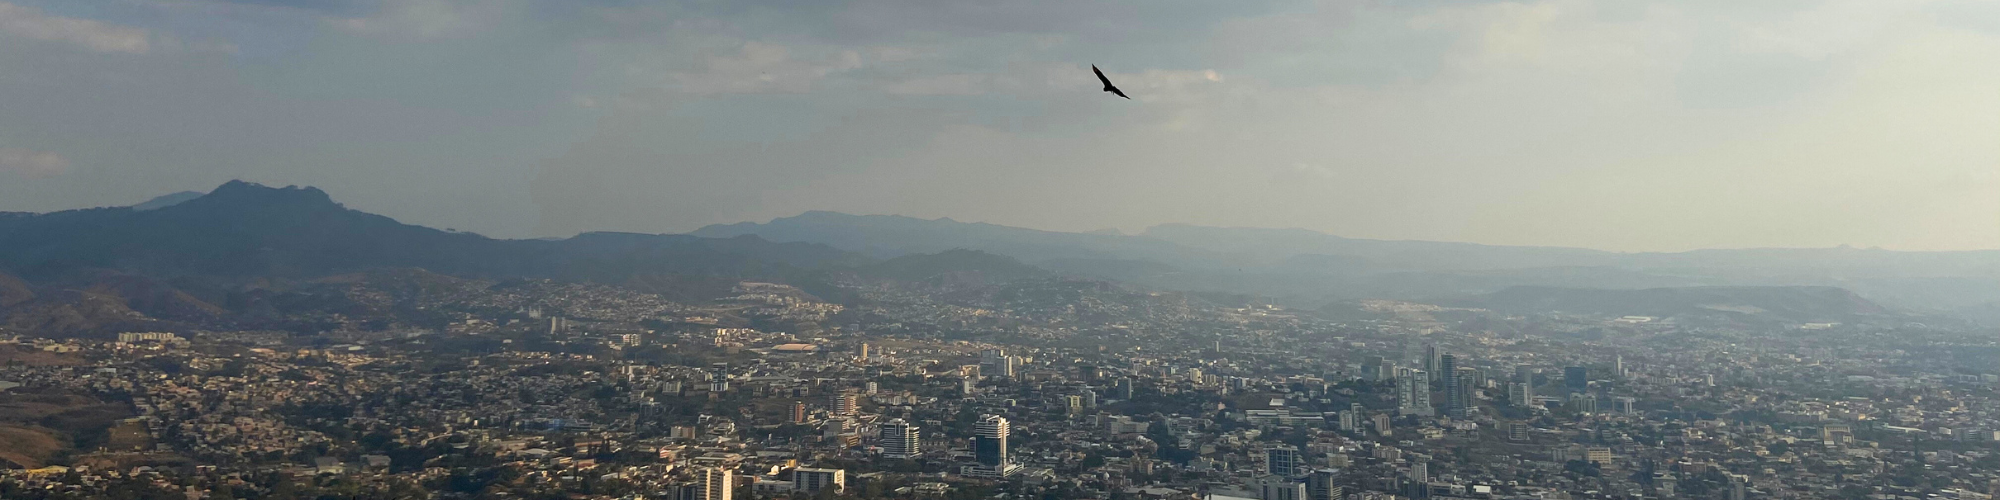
{"points": [[428, 19], [760, 67], [31, 23], [32, 164]]}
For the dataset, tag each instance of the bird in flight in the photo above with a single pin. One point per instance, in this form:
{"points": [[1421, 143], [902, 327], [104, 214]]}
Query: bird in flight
{"points": [[1108, 87]]}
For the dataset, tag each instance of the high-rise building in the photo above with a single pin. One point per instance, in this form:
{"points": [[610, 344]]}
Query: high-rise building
{"points": [[845, 403], [1124, 389], [1323, 484], [1371, 368], [718, 377], [1522, 393], [1433, 360], [1089, 398], [1625, 404], [1466, 383], [996, 362], [900, 439], [1618, 366], [1420, 472], [863, 355], [989, 446], [871, 388], [1599, 455], [1413, 393], [1282, 460], [1074, 403], [1453, 391], [798, 412], [1577, 379], [1582, 403], [1350, 421], [1382, 424], [1446, 365], [716, 483], [1274, 487], [813, 480]]}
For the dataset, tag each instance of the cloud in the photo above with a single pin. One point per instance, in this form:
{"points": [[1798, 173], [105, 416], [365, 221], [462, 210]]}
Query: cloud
{"points": [[32, 23], [954, 84], [32, 164], [761, 68], [429, 19]]}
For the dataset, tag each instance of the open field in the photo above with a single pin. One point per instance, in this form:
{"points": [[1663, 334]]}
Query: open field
{"points": [[36, 357], [29, 446]]}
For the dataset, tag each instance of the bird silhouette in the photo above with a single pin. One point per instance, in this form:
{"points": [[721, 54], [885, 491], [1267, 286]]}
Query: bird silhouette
{"points": [[1108, 87]]}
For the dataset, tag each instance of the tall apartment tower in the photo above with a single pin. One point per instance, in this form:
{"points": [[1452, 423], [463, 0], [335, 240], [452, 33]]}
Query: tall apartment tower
{"points": [[1413, 394], [718, 377], [1577, 379], [1466, 381], [900, 439], [716, 483], [996, 362], [1323, 484], [845, 403], [1523, 394], [1448, 373], [1282, 461], [989, 446]]}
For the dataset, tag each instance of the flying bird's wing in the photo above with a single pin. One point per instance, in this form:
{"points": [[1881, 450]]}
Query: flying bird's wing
{"points": [[1108, 87]]}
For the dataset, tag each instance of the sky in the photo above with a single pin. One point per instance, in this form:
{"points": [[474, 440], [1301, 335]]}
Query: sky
{"points": [[1629, 125]]}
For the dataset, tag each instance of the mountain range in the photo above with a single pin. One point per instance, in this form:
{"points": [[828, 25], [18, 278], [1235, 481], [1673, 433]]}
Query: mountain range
{"points": [[1309, 267], [242, 230], [245, 250]]}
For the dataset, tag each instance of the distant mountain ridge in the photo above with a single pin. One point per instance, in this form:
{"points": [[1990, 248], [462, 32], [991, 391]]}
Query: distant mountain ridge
{"points": [[244, 229], [954, 269], [1310, 267], [247, 255], [167, 200]]}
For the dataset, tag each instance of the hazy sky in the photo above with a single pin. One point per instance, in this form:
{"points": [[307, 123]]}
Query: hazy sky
{"points": [[1615, 124]]}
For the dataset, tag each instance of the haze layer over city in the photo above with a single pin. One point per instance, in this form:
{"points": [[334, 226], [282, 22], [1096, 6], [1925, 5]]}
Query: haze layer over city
{"points": [[1008, 250]]}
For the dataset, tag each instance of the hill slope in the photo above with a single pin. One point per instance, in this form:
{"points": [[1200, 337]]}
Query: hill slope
{"points": [[244, 229], [954, 268]]}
